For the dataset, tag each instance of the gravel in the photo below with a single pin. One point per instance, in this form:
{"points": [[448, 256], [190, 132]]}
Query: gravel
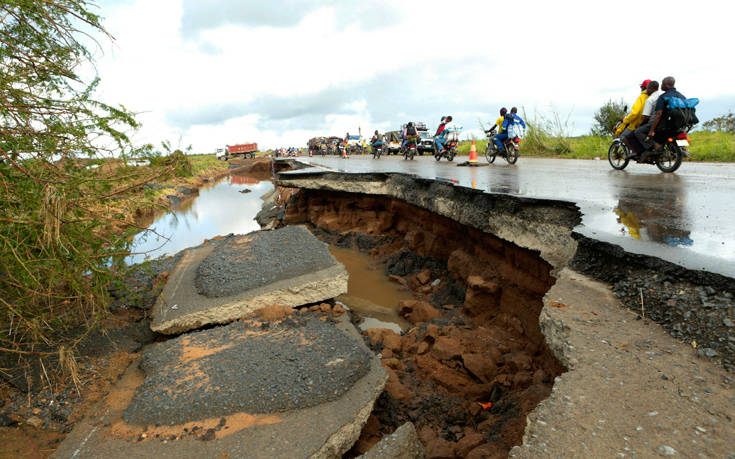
{"points": [[695, 307], [694, 314]]}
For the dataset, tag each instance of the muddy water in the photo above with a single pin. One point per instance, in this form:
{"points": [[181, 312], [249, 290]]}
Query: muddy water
{"points": [[369, 291], [217, 210]]}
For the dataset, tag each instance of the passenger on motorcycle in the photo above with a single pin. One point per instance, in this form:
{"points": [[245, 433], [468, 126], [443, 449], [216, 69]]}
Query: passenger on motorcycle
{"points": [[518, 126], [409, 134], [661, 131], [441, 137], [634, 118], [442, 123]]}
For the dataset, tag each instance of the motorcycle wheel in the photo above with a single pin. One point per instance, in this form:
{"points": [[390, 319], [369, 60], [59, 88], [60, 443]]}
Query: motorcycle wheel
{"points": [[451, 153], [617, 155], [490, 153], [670, 158], [511, 154]]}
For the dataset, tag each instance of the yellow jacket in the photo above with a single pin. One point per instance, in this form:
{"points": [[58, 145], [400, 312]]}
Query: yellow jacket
{"points": [[499, 123], [635, 117]]}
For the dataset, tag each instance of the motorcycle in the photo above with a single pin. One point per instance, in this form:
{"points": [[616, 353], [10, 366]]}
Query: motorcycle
{"points": [[450, 149], [377, 151], [410, 150], [668, 159], [510, 150]]}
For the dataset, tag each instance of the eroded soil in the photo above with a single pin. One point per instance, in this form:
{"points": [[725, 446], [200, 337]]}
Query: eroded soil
{"points": [[475, 363]]}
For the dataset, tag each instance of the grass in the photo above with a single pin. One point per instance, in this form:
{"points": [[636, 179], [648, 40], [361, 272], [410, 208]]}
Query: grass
{"points": [[705, 146], [205, 164]]}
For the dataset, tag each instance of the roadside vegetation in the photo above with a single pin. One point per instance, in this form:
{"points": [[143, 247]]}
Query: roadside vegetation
{"points": [[712, 141], [71, 182]]}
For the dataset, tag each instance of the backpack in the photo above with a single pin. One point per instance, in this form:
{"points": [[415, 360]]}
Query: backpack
{"points": [[680, 113], [411, 130]]}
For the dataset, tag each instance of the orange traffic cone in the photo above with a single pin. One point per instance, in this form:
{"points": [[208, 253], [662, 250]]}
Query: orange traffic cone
{"points": [[310, 155], [473, 153]]}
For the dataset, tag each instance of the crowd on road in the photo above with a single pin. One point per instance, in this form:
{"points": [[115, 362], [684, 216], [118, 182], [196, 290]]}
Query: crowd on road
{"points": [[654, 132]]}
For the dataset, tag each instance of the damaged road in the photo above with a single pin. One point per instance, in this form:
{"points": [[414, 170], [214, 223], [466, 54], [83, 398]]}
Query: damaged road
{"points": [[379, 204]]}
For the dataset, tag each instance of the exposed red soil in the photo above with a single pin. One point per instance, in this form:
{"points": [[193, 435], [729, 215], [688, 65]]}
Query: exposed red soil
{"points": [[489, 349]]}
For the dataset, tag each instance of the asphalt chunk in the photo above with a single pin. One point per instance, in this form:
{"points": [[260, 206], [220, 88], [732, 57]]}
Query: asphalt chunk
{"points": [[295, 364], [239, 264]]}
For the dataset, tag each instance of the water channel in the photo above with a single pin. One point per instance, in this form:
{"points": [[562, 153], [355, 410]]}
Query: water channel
{"points": [[230, 206]]}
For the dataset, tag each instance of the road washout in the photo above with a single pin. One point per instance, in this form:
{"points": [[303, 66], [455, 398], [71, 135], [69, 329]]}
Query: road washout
{"points": [[475, 336], [363, 206]]}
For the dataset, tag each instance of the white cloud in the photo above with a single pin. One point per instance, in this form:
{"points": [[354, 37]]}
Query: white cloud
{"points": [[332, 66]]}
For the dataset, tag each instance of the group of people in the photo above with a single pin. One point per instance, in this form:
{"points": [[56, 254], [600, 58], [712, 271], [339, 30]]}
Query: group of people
{"points": [[642, 130]]}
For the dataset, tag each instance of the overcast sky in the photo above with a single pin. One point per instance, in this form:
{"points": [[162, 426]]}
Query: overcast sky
{"points": [[278, 72]]}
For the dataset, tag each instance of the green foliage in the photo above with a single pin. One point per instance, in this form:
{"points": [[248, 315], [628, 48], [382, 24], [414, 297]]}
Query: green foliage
{"points": [[57, 191], [724, 123], [606, 117]]}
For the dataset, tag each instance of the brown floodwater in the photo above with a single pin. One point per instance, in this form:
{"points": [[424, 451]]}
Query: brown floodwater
{"points": [[369, 291]]}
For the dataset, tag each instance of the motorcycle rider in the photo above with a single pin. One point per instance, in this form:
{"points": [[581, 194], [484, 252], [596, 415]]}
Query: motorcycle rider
{"points": [[439, 140], [636, 140], [499, 122], [410, 133], [377, 140], [633, 119]]}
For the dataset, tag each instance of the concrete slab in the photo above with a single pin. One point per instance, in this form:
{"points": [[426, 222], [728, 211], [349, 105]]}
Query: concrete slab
{"points": [[242, 390], [226, 279]]}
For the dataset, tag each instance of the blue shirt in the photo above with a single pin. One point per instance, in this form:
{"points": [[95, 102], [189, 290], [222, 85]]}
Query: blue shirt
{"points": [[671, 92], [518, 120]]}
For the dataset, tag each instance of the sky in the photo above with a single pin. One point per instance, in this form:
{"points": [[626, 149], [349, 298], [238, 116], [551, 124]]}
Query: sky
{"points": [[278, 72]]}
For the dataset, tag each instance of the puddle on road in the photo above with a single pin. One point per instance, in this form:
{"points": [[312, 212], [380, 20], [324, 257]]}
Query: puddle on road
{"points": [[218, 210], [370, 293]]}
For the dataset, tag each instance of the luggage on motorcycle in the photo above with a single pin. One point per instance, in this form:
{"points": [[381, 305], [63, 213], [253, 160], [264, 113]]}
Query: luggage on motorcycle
{"points": [[453, 128], [452, 136], [679, 113], [516, 130]]}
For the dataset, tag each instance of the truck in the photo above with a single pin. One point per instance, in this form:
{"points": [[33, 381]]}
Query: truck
{"points": [[245, 150], [393, 142]]}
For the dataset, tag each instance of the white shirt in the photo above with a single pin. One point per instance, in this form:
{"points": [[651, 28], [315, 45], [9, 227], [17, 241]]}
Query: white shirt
{"points": [[651, 103]]}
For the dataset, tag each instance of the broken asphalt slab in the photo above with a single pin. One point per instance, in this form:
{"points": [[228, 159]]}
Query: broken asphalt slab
{"points": [[228, 278], [236, 391], [257, 368]]}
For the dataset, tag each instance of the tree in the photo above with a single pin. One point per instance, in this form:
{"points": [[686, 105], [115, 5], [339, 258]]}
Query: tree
{"points": [[56, 244], [607, 115], [724, 123]]}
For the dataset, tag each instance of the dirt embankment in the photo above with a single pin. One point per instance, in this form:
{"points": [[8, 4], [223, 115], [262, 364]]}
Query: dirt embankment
{"points": [[476, 338]]}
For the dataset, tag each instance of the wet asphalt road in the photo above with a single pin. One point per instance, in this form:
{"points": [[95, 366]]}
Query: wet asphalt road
{"points": [[687, 217]]}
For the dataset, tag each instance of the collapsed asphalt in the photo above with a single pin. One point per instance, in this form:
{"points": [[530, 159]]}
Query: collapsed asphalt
{"points": [[222, 274], [246, 367]]}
